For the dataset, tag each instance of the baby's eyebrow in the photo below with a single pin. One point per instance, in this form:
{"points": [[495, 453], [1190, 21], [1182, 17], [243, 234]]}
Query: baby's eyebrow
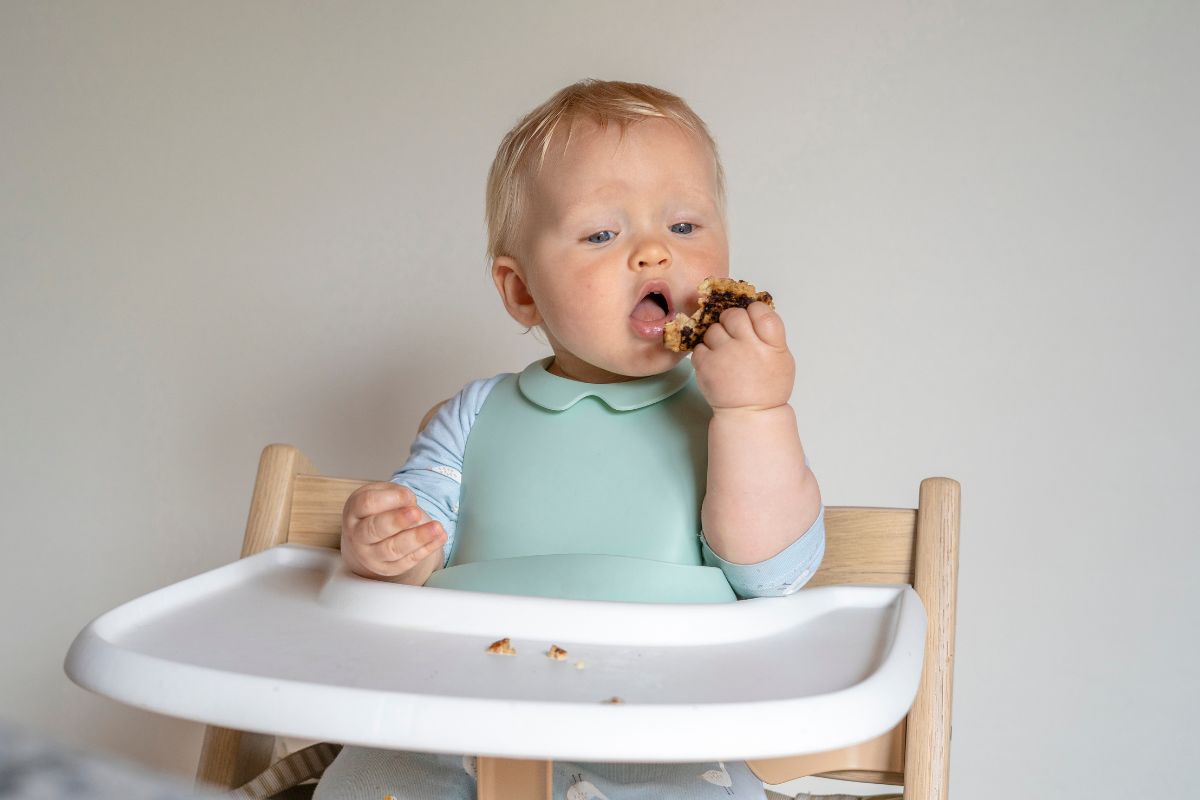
{"points": [[578, 213], [694, 200], [604, 195], [696, 196]]}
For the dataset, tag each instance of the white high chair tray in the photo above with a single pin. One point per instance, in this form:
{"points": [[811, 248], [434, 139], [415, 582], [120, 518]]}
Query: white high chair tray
{"points": [[290, 642]]}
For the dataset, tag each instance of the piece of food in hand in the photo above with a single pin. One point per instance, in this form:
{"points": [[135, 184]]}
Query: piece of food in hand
{"points": [[716, 294], [557, 653], [502, 647]]}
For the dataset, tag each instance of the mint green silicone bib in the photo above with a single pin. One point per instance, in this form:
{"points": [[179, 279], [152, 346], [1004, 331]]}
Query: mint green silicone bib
{"points": [[586, 491]]}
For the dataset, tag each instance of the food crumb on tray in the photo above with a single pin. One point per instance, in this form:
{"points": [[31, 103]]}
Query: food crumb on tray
{"points": [[557, 653], [502, 647]]}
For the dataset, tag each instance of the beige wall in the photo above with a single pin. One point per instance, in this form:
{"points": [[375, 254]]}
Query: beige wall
{"points": [[226, 224]]}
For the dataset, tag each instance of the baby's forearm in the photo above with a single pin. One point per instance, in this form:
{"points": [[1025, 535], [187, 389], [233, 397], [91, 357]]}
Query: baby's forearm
{"points": [[761, 497]]}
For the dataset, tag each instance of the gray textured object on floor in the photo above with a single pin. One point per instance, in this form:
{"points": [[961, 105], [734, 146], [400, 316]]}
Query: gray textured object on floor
{"points": [[35, 767]]}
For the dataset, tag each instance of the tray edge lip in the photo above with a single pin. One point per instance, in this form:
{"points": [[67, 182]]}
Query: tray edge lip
{"points": [[90, 652]]}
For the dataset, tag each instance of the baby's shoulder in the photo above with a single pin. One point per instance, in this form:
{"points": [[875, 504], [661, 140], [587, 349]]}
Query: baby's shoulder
{"points": [[476, 392], [464, 406]]}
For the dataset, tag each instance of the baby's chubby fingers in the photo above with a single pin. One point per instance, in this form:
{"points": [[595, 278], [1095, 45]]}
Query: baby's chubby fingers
{"points": [[375, 498], [756, 321], [385, 534], [386, 524], [406, 549], [737, 323], [717, 335], [744, 361], [767, 323]]}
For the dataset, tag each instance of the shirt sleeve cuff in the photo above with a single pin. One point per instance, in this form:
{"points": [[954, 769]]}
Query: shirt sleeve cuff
{"points": [[781, 574]]}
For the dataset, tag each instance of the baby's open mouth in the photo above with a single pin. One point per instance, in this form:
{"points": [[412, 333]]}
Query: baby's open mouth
{"points": [[653, 311], [651, 308]]}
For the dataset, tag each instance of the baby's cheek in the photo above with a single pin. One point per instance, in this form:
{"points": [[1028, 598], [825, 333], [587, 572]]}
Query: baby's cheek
{"points": [[574, 327], [568, 299], [581, 304]]}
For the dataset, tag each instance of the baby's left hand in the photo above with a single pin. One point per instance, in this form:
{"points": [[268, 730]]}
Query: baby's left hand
{"points": [[744, 361]]}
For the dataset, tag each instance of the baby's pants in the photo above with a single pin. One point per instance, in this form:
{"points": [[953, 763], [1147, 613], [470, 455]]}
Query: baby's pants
{"points": [[363, 773]]}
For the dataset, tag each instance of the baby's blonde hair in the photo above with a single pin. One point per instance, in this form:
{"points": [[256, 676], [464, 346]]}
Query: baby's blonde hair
{"points": [[602, 102]]}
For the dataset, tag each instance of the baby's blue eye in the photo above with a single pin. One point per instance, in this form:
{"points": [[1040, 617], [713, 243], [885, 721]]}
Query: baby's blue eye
{"points": [[689, 227], [607, 238]]}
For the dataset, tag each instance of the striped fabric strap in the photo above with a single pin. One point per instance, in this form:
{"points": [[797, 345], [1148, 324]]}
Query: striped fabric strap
{"points": [[288, 772]]}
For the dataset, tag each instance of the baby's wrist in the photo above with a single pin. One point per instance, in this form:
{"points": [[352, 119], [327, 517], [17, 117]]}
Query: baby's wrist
{"points": [[753, 412]]}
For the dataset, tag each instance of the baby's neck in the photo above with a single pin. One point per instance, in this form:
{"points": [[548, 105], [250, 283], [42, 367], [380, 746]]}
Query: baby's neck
{"points": [[588, 375]]}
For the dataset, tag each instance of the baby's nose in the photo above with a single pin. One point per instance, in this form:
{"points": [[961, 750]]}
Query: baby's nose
{"points": [[652, 254]]}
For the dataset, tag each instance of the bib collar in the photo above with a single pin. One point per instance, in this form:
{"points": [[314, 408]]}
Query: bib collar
{"points": [[555, 393]]}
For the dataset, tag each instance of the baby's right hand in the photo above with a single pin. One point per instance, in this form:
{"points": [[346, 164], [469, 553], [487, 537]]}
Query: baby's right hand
{"points": [[386, 535]]}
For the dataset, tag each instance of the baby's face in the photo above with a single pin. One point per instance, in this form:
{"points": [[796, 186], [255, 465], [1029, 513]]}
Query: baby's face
{"points": [[618, 235]]}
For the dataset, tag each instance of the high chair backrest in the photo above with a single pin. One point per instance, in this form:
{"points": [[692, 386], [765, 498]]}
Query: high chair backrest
{"points": [[292, 503]]}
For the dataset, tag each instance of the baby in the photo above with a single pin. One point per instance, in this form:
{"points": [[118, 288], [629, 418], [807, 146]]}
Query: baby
{"points": [[615, 469]]}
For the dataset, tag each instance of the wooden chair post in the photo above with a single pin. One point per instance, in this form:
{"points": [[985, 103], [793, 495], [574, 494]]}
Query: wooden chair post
{"points": [[935, 578], [512, 779], [918, 547], [271, 505], [230, 758]]}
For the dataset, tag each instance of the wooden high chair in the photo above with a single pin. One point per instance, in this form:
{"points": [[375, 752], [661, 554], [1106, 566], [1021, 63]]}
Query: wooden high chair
{"points": [[292, 503]]}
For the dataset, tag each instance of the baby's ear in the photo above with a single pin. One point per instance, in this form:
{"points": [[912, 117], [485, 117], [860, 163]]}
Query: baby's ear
{"points": [[514, 292]]}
